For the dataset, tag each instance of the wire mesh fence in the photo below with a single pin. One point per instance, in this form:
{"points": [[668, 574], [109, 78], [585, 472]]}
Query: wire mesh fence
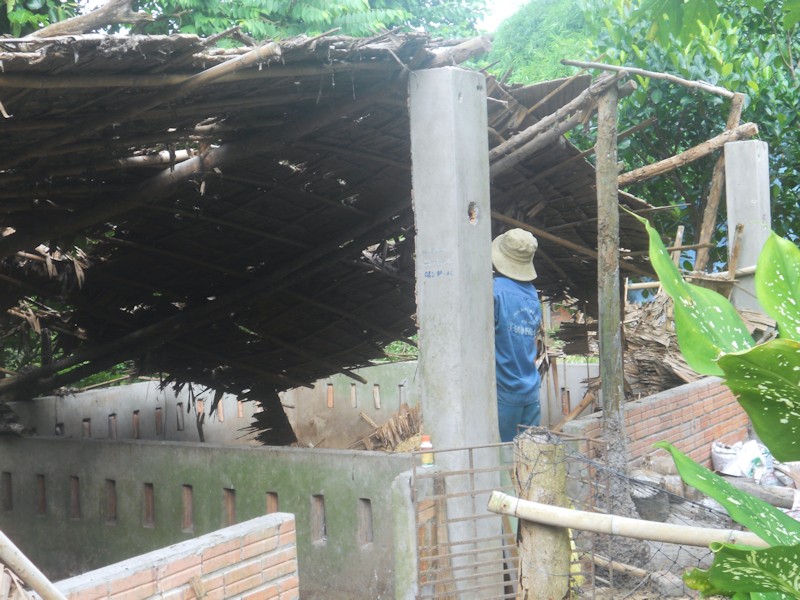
{"points": [[466, 551]]}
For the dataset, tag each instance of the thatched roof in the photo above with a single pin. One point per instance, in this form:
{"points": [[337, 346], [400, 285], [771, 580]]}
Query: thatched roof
{"points": [[241, 218]]}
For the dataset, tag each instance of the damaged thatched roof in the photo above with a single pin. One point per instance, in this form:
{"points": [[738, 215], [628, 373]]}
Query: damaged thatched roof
{"points": [[241, 218]]}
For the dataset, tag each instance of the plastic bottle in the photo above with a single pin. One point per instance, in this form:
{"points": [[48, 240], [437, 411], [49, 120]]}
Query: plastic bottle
{"points": [[426, 446]]}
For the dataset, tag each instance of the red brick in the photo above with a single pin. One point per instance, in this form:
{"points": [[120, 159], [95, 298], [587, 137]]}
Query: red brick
{"points": [[174, 594], [243, 585], [139, 593], [289, 583], [133, 580], [288, 538], [95, 593], [180, 564], [180, 578], [242, 571], [277, 558], [270, 592], [221, 548], [280, 570], [220, 562]]}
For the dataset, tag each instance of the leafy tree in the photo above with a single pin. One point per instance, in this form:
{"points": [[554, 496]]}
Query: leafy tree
{"points": [[742, 45], [262, 19], [532, 41]]}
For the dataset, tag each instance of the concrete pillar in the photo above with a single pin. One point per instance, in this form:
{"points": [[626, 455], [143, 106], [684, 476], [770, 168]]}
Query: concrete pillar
{"points": [[748, 203], [450, 176]]}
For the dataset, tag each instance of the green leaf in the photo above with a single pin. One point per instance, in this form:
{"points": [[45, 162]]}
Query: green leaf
{"points": [[778, 284], [705, 322], [791, 14], [766, 381], [741, 569], [767, 522]]}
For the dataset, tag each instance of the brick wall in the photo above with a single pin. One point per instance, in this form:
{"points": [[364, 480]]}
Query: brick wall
{"points": [[690, 417], [253, 560]]}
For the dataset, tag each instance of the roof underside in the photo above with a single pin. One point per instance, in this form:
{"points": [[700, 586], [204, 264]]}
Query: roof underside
{"points": [[246, 226]]}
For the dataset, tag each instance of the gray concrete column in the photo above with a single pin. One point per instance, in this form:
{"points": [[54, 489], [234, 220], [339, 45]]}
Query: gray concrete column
{"points": [[748, 203], [450, 176]]}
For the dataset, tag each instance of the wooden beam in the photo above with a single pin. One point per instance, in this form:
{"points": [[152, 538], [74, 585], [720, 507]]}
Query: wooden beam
{"points": [[541, 233], [709, 223], [700, 85], [742, 132]]}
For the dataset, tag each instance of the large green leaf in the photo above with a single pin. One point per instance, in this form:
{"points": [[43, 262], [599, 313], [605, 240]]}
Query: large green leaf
{"points": [[778, 284], [705, 322], [766, 381], [774, 571], [767, 522]]}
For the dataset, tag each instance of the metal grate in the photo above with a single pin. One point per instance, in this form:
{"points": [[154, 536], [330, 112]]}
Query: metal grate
{"points": [[476, 563]]}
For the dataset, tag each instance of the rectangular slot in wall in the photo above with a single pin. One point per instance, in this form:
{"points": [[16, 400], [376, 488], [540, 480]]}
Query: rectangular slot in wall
{"points": [[401, 395], [87, 428], [135, 425], [330, 395], [240, 409], [376, 395], [187, 519], [112, 426], [149, 514], [364, 521], [220, 411], [353, 396], [319, 527], [179, 422], [74, 497], [159, 422], [229, 506], [41, 495], [111, 502], [272, 502], [8, 502]]}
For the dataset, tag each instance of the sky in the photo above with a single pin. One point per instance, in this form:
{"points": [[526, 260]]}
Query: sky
{"points": [[499, 10]]}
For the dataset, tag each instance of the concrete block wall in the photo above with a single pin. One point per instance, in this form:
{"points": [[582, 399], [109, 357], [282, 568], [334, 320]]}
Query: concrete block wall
{"points": [[140, 411], [690, 417], [253, 560], [73, 505], [330, 414]]}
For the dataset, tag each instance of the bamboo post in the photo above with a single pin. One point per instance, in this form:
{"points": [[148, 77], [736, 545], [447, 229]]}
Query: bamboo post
{"points": [[15, 560], [540, 475]]}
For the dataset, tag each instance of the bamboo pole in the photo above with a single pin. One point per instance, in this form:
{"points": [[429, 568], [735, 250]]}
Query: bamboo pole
{"points": [[15, 560], [715, 193], [580, 102], [701, 85], [742, 132], [557, 516]]}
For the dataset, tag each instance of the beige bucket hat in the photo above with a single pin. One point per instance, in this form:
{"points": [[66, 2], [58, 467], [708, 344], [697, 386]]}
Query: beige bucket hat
{"points": [[512, 254]]}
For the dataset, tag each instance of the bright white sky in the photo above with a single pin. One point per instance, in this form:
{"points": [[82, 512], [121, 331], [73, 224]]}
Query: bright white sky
{"points": [[499, 10]]}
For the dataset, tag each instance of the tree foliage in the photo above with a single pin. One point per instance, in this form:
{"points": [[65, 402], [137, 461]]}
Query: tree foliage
{"points": [[267, 19], [746, 46], [533, 41]]}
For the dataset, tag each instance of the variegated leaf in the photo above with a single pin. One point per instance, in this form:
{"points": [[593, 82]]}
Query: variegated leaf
{"points": [[778, 284]]}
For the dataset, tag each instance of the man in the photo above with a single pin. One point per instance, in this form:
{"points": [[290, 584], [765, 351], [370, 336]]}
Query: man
{"points": [[517, 318]]}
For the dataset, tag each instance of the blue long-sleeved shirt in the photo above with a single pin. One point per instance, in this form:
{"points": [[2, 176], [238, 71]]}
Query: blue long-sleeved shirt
{"points": [[517, 318]]}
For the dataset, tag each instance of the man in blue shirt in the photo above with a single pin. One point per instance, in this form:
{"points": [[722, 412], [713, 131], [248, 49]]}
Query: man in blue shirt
{"points": [[517, 318]]}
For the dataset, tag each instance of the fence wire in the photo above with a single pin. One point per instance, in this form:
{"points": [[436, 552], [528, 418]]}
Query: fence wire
{"points": [[465, 551]]}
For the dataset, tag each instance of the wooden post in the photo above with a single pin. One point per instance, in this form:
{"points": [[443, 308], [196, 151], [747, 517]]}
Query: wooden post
{"points": [[540, 475], [610, 337]]}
